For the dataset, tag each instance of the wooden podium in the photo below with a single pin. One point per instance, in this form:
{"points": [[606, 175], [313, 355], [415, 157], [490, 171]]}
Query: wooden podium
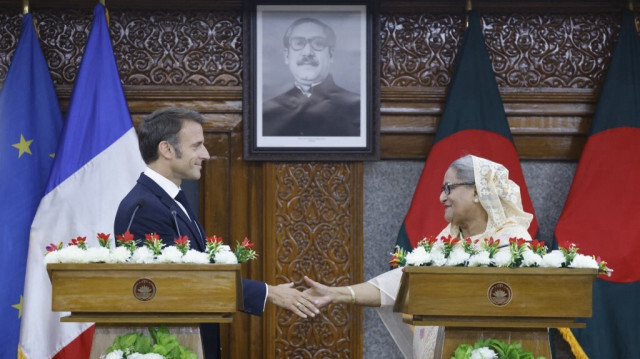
{"points": [[121, 298], [511, 304]]}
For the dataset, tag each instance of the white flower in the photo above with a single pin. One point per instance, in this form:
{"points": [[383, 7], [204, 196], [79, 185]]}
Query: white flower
{"points": [[72, 254], [483, 353], [457, 256], [480, 259], [119, 255], [142, 255], [418, 257], [437, 258], [197, 257], [145, 356], [170, 254], [225, 257], [530, 259], [553, 259], [97, 254], [52, 257], [582, 261], [116, 354], [502, 258]]}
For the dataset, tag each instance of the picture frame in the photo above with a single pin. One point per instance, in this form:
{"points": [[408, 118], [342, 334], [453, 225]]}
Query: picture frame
{"points": [[311, 81]]}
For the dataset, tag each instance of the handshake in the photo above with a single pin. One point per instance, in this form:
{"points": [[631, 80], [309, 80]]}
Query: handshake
{"points": [[307, 303]]}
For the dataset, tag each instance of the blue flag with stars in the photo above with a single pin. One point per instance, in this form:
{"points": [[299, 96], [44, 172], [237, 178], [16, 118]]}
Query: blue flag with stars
{"points": [[30, 124]]}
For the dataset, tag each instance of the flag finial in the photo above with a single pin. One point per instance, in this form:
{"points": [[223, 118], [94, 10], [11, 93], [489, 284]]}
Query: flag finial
{"points": [[25, 7], [468, 7]]}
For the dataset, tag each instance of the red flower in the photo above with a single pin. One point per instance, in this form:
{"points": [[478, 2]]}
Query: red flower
{"points": [[566, 245], [152, 237], [517, 241], [182, 240], [103, 239], [492, 242], [79, 241], [126, 237], [246, 244], [214, 240]]}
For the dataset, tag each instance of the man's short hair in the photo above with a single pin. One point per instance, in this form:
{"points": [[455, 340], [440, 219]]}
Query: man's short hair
{"points": [[328, 31], [163, 125]]}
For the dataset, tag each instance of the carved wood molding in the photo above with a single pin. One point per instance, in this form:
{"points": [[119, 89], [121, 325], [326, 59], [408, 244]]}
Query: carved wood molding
{"points": [[313, 214]]}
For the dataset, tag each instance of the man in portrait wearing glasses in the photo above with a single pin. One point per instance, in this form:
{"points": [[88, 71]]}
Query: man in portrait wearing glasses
{"points": [[315, 105]]}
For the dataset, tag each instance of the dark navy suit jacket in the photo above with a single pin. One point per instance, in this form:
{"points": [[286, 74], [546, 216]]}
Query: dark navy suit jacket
{"points": [[155, 215]]}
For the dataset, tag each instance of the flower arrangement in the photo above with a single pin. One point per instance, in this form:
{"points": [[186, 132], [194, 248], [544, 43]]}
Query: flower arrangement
{"points": [[492, 349], [161, 345], [487, 252], [153, 250]]}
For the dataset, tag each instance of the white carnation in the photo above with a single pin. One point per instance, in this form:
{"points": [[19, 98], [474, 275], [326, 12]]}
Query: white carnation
{"points": [[145, 356], [531, 259], [553, 259], [120, 255], [483, 353], [582, 261], [116, 354], [480, 259], [418, 257], [52, 257], [197, 257], [170, 254], [97, 254], [72, 254], [438, 259], [502, 258], [142, 255], [225, 257], [458, 256]]}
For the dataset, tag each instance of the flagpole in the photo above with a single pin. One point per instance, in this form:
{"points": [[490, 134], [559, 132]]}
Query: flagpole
{"points": [[468, 8]]}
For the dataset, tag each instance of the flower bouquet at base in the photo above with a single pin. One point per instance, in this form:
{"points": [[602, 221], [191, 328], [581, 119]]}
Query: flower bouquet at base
{"points": [[161, 345], [492, 349]]}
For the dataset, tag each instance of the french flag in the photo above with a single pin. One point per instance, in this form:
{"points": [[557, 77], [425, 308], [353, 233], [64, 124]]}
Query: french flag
{"points": [[96, 164]]}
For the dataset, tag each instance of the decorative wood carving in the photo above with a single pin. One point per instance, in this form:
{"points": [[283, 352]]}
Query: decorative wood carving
{"points": [[315, 220], [178, 48], [527, 50]]}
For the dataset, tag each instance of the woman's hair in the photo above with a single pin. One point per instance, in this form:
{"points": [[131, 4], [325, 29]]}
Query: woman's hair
{"points": [[464, 168]]}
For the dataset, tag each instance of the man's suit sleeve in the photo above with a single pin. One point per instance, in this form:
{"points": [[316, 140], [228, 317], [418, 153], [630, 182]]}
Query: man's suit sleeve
{"points": [[254, 293]]}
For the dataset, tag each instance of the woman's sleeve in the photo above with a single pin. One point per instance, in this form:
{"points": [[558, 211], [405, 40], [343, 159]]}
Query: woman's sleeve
{"points": [[388, 283]]}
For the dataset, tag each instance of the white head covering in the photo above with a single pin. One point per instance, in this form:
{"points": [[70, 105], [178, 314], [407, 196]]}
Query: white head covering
{"points": [[499, 196]]}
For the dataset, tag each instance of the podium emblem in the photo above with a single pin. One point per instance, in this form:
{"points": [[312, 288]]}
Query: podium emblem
{"points": [[144, 289], [499, 294]]}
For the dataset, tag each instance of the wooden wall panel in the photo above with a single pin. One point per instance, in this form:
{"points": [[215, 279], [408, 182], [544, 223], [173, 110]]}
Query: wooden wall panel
{"points": [[313, 226]]}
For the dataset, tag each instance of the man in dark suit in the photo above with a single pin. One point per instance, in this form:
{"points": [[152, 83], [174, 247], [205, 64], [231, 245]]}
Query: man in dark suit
{"points": [[172, 146], [315, 105]]}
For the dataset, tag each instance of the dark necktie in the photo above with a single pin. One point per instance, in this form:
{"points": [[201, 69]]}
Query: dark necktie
{"points": [[182, 198]]}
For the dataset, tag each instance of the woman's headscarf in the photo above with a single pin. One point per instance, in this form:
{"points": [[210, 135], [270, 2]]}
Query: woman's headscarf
{"points": [[498, 195]]}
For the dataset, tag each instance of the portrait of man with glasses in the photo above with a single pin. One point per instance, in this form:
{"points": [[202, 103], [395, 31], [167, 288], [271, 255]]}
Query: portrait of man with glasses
{"points": [[314, 105]]}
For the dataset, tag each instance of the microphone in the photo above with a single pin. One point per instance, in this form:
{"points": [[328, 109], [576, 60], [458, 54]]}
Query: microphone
{"points": [[175, 220], [139, 203]]}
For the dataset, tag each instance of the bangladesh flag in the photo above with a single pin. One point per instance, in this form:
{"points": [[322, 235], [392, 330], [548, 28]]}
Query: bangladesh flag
{"points": [[602, 212], [473, 123]]}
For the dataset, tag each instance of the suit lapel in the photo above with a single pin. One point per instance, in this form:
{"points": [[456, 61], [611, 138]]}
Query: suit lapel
{"points": [[183, 221]]}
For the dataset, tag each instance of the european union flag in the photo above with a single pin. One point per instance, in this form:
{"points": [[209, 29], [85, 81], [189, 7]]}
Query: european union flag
{"points": [[30, 124]]}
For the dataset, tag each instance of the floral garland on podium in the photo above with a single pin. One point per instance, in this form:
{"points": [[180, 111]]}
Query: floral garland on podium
{"points": [[153, 251]]}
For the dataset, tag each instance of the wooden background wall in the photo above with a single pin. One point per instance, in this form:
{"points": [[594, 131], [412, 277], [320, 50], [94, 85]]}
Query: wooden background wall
{"points": [[550, 59]]}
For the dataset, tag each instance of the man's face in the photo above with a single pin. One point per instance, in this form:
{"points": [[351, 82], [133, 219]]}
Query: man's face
{"points": [[192, 150], [307, 64]]}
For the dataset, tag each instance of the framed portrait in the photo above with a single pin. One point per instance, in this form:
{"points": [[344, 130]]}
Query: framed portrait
{"points": [[310, 81]]}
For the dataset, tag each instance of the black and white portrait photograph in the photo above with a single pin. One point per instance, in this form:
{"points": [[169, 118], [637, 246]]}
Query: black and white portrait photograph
{"points": [[311, 81]]}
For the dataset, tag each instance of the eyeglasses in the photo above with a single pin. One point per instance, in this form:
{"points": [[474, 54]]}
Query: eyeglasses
{"points": [[446, 188], [317, 43]]}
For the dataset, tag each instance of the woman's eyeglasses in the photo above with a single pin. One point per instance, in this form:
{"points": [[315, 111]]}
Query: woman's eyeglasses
{"points": [[446, 188]]}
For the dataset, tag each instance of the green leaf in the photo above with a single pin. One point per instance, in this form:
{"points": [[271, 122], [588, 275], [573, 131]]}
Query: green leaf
{"points": [[463, 351]]}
